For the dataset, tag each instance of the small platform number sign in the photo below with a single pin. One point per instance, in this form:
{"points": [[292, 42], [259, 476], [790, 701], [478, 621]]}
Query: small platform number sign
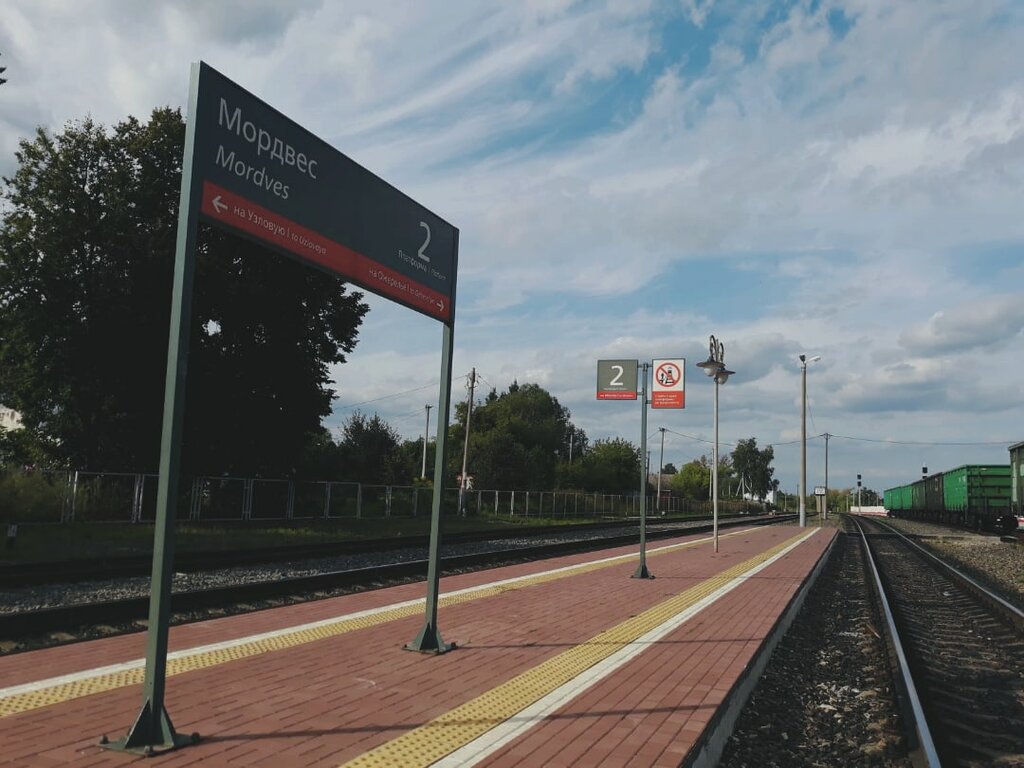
{"points": [[616, 379], [669, 385]]}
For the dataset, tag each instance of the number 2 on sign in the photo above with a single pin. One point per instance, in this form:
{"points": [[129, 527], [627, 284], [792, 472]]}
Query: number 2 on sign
{"points": [[617, 378], [426, 242]]}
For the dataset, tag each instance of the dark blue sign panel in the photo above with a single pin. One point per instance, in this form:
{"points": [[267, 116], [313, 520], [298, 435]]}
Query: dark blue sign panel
{"points": [[263, 175]]}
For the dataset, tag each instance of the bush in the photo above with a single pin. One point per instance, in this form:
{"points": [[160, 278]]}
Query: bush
{"points": [[31, 496]]}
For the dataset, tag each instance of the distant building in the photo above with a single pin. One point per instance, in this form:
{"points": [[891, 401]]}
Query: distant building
{"points": [[9, 418]]}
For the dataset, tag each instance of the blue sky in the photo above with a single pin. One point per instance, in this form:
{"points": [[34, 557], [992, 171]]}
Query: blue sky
{"points": [[835, 178]]}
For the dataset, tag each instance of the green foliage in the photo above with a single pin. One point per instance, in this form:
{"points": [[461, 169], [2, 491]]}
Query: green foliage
{"points": [[693, 480], [516, 439], [30, 496], [669, 469], [754, 466], [22, 448], [611, 466], [86, 256], [369, 451]]}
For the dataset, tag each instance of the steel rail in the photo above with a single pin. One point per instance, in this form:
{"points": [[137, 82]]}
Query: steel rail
{"points": [[1011, 611], [926, 744], [15, 574]]}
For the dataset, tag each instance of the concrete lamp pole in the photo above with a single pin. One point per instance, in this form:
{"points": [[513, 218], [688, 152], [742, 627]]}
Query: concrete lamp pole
{"points": [[714, 366], [804, 360]]}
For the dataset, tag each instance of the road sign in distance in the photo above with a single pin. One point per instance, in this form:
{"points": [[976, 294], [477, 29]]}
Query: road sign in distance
{"points": [[616, 379], [264, 176], [819, 490], [669, 385]]}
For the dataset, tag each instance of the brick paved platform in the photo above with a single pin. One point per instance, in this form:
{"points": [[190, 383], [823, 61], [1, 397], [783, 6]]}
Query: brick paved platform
{"points": [[565, 662]]}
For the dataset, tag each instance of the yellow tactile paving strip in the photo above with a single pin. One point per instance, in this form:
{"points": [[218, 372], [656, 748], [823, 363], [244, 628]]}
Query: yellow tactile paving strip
{"points": [[443, 735], [61, 692]]}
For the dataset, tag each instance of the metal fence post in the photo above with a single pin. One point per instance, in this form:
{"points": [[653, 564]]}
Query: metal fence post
{"points": [[359, 501], [136, 499], [74, 496], [247, 490], [327, 500], [290, 511]]}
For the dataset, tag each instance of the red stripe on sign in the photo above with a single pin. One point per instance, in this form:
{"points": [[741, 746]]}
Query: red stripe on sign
{"points": [[668, 400], [237, 212], [616, 395]]}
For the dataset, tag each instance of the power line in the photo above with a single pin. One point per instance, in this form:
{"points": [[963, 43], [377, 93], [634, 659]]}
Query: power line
{"points": [[698, 439], [394, 394], [921, 442]]}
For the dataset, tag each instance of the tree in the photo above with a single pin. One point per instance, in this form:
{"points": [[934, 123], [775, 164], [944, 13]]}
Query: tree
{"points": [[754, 467], [3, 79], [693, 480], [516, 439], [611, 466], [669, 469], [370, 451], [86, 255]]}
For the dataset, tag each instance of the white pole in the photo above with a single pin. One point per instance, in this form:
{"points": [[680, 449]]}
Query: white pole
{"points": [[803, 444], [714, 473]]}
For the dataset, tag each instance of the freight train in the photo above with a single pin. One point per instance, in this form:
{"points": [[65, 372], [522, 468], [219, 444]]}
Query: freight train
{"points": [[980, 496]]}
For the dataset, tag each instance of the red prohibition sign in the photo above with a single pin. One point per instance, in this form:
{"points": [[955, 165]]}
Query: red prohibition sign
{"points": [[667, 374]]}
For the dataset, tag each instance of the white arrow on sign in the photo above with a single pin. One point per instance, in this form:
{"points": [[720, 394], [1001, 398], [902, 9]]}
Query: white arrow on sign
{"points": [[219, 205]]}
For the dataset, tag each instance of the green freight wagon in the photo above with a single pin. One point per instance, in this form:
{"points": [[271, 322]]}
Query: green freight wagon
{"points": [[978, 496], [898, 500], [890, 499], [1017, 479]]}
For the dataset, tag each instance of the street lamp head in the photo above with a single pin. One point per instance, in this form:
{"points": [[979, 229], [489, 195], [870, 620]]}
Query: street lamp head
{"points": [[804, 360], [723, 375], [711, 366]]}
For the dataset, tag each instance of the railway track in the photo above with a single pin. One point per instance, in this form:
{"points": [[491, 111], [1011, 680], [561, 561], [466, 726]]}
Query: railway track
{"points": [[79, 620], [15, 575], [961, 653]]}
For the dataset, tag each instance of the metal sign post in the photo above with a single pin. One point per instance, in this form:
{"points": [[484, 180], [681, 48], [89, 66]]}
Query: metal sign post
{"points": [[429, 640], [249, 169], [641, 570]]}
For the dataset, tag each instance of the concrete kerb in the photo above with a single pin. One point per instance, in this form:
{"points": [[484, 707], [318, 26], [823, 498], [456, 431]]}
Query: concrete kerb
{"points": [[707, 750]]}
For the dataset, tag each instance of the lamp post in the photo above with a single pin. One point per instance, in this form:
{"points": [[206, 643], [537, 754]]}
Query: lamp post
{"points": [[804, 360], [714, 366]]}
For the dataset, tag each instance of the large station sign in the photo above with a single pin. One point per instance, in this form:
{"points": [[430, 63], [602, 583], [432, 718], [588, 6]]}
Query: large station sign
{"points": [[668, 388], [264, 176]]}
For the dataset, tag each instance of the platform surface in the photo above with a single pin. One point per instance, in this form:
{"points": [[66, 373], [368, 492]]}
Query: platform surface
{"points": [[564, 662]]}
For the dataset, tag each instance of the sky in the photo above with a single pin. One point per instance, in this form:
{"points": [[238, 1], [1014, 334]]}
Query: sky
{"points": [[629, 177]]}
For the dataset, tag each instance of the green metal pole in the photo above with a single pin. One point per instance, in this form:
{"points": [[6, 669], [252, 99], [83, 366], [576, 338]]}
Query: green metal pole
{"points": [[641, 571], [153, 729], [429, 638]]}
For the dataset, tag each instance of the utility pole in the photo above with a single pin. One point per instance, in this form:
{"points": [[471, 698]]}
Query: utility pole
{"points": [[471, 383], [426, 431], [827, 436]]}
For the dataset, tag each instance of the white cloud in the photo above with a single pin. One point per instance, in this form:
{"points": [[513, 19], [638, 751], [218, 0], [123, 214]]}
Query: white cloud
{"points": [[861, 174], [984, 322]]}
